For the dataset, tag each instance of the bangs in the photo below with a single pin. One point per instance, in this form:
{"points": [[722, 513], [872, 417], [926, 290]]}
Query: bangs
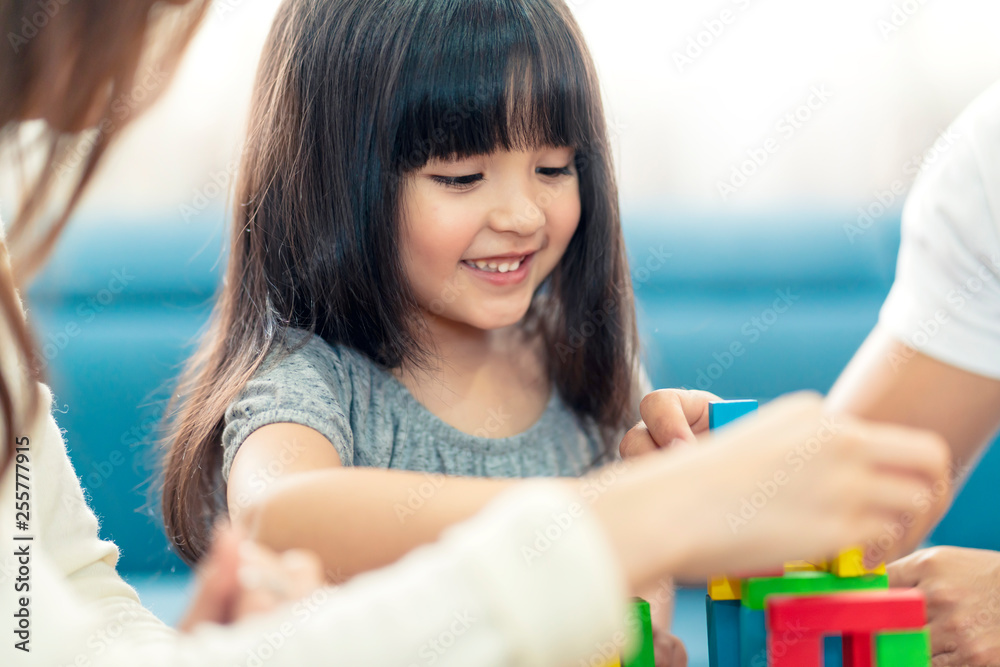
{"points": [[502, 75]]}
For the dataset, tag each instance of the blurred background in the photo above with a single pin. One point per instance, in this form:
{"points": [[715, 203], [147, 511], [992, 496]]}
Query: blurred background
{"points": [[751, 137]]}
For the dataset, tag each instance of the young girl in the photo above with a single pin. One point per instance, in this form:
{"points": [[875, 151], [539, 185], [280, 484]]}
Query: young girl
{"points": [[427, 275]]}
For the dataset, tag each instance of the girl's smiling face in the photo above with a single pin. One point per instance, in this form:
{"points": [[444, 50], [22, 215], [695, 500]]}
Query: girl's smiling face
{"points": [[480, 234]]}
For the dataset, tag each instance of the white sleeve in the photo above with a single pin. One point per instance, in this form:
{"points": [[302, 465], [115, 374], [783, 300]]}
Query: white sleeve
{"points": [[67, 560], [945, 301], [531, 580]]}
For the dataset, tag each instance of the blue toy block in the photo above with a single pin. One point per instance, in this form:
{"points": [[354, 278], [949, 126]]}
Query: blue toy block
{"points": [[833, 652], [753, 638], [721, 413], [723, 632]]}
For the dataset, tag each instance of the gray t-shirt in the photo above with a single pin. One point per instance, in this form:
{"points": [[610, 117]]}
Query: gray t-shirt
{"points": [[373, 420]]}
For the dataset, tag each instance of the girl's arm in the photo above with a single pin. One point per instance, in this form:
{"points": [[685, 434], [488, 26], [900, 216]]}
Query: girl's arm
{"points": [[830, 482]]}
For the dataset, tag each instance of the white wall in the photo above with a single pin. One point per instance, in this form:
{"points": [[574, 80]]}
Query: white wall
{"points": [[895, 74]]}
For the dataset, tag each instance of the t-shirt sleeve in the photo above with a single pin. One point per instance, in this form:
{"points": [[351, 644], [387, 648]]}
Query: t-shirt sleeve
{"points": [[308, 385], [945, 301]]}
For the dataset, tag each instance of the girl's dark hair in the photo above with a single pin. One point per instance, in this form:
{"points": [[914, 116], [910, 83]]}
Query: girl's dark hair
{"points": [[351, 96], [99, 49]]}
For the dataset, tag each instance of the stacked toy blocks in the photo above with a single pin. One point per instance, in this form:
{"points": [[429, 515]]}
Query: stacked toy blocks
{"points": [[812, 614], [640, 622]]}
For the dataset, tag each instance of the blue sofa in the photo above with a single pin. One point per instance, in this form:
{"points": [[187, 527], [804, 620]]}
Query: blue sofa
{"points": [[747, 306]]}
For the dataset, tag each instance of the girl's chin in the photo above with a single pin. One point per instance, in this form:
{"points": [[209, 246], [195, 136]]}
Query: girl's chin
{"points": [[485, 321]]}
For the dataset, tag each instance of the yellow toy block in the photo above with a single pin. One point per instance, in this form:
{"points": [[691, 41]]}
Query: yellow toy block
{"points": [[614, 663], [806, 566], [724, 588], [850, 563]]}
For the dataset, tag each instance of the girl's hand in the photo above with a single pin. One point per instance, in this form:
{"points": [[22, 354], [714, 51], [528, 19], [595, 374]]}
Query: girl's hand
{"points": [[963, 601], [239, 578], [668, 415]]}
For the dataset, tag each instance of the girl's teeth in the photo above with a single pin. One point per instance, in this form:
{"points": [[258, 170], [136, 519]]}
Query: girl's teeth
{"points": [[493, 267]]}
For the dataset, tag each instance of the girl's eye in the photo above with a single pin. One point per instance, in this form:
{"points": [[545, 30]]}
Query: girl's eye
{"points": [[458, 181], [555, 171]]}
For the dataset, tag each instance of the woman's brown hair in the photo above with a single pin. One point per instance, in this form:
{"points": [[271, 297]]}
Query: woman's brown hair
{"points": [[352, 96], [74, 64]]}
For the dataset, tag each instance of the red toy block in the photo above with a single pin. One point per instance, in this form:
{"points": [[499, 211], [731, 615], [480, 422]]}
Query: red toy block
{"points": [[794, 650], [857, 650], [796, 625], [848, 613]]}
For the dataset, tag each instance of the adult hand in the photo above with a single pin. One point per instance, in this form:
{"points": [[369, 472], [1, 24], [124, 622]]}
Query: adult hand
{"points": [[793, 482], [963, 602]]}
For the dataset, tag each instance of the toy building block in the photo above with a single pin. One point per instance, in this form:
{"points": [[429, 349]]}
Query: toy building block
{"points": [[851, 563], [721, 413], [855, 615], [855, 612], [903, 649], [857, 650], [807, 566], [614, 663], [753, 638], [724, 588], [806, 583], [775, 572], [641, 654], [833, 653], [723, 632]]}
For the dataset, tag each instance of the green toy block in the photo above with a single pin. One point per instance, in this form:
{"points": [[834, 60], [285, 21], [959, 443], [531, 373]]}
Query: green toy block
{"points": [[641, 654], [903, 649], [755, 590]]}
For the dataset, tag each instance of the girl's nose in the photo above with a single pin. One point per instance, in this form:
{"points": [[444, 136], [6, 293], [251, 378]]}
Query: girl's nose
{"points": [[519, 211]]}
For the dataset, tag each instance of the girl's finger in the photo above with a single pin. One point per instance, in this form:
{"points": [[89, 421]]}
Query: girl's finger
{"points": [[670, 413], [637, 442]]}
